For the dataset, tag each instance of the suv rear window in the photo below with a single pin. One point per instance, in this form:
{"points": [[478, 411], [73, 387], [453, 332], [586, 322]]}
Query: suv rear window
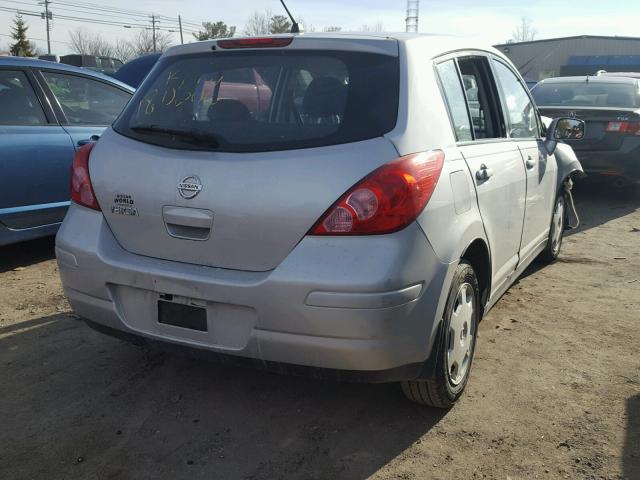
{"points": [[265, 100], [583, 94]]}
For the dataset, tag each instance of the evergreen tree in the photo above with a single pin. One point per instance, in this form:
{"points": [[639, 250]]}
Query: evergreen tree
{"points": [[214, 30], [279, 24], [22, 47]]}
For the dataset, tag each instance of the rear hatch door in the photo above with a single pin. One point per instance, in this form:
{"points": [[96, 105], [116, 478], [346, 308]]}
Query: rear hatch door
{"points": [[228, 158], [251, 208]]}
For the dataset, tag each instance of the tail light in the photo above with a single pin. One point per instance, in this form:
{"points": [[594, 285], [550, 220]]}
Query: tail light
{"points": [[255, 42], [386, 200], [81, 189], [632, 128]]}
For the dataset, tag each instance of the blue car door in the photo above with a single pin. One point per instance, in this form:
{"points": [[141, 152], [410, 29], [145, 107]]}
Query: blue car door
{"points": [[35, 159], [88, 104]]}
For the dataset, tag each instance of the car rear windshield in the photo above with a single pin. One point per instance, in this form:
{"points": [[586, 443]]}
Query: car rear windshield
{"points": [[264, 100], [584, 94]]}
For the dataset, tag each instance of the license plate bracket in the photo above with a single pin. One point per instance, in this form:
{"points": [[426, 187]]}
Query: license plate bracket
{"points": [[182, 315]]}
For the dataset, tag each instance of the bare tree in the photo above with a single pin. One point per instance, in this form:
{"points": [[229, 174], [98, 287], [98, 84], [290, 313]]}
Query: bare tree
{"points": [[123, 50], [79, 41], [142, 43], [258, 23], [524, 31], [86, 43], [377, 27]]}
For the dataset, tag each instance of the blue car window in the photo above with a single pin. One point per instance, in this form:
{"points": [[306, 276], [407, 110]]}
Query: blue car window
{"points": [[85, 101], [20, 105]]}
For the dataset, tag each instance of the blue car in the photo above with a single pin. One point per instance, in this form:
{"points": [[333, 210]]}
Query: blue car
{"points": [[134, 71], [47, 111]]}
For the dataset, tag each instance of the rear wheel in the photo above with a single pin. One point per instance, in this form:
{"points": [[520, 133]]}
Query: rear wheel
{"points": [[556, 231], [455, 345]]}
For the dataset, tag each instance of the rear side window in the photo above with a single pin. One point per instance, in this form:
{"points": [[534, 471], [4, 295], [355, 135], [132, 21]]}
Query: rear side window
{"points": [[482, 98], [521, 114], [454, 96], [265, 100], [85, 101], [587, 94], [20, 106]]}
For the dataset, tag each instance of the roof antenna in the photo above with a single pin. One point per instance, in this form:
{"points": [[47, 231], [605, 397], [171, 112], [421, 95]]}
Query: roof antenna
{"points": [[295, 28]]}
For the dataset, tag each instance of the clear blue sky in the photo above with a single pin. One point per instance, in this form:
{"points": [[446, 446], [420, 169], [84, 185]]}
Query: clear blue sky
{"points": [[490, 22]]}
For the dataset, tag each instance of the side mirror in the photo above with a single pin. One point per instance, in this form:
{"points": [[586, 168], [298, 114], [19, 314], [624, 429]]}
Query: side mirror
{"points": [[563, 128]]}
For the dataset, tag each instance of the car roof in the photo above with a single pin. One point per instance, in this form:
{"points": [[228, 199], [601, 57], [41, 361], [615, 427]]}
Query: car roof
{"points": [[432, 45], [36, 63], [620, 74], [591, 79], [134, 71]]}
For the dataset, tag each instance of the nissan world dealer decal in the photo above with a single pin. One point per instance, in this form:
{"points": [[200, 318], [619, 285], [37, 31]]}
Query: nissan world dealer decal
{"points": [[124, 205]]}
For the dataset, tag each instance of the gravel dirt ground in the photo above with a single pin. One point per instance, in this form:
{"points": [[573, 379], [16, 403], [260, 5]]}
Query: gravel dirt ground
{"points": [[554, 393]]}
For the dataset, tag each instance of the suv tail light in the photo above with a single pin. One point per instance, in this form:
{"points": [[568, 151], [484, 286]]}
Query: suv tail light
{"points": [[386, 200], [81, 189], [632, 128], [256, 42]]}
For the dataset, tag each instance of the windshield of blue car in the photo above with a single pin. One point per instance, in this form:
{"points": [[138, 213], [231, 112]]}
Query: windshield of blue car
{"points": [[587, 94], [266, 100]]}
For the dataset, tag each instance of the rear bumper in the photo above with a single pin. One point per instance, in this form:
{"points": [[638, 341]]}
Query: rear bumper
{"points": [[620, 163], [357, 376], [366, 306]]}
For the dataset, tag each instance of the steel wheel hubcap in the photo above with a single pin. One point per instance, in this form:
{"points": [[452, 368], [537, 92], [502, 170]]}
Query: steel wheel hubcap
{"points": [[461, 334], [557, 224]]}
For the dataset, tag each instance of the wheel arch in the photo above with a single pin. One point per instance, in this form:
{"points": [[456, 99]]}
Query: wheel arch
{"points": [[478, 255]]}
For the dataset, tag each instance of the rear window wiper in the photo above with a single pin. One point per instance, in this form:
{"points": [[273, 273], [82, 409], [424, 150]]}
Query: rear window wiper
{"points": [[196, 136]]}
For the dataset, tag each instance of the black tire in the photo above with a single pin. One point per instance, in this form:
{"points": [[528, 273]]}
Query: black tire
{"points": [[552, 249], [442, 390]]}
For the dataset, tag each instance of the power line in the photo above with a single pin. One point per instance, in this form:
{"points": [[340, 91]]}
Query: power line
{"points": [[37, 39], [96, 21], [87, 8], [138, 13]]}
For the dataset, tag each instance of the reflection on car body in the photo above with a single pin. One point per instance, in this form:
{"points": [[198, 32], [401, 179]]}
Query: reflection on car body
{"points": [[47, 110]]}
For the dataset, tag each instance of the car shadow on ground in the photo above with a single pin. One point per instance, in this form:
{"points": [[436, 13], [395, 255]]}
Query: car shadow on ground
{"points": [[93, 406], [24, 254], [598, 202], [631, 455]]}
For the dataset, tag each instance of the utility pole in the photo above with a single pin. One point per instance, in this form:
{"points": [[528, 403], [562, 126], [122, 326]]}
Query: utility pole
{"points": [[180, 23], [153, 27], [47, 15]]}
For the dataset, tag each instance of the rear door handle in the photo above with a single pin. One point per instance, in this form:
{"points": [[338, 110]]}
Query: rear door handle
{"points": [[531, 163], [484, 173]]}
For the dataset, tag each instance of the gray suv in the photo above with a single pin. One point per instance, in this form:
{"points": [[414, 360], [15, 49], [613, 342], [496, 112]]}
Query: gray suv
{"points": [[332, 205]]}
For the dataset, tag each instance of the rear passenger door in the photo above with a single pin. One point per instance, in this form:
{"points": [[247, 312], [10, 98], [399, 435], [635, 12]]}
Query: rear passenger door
{"points": [[523, 126], [494, 161], [35, 158], [86, 105]]}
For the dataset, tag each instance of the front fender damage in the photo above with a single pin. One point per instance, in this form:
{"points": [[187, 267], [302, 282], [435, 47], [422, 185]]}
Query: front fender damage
{"points": [[568, 164]]}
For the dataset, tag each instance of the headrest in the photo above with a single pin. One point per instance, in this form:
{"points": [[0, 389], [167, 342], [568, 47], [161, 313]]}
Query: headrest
{"points": [[228, 110], [325, 96]]}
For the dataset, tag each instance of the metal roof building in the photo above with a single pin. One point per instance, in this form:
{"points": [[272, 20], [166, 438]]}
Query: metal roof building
{"points": [[580, 55]]}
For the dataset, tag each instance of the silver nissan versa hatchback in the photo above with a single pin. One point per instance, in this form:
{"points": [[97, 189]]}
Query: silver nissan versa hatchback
{"points": [[344, 206]]}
